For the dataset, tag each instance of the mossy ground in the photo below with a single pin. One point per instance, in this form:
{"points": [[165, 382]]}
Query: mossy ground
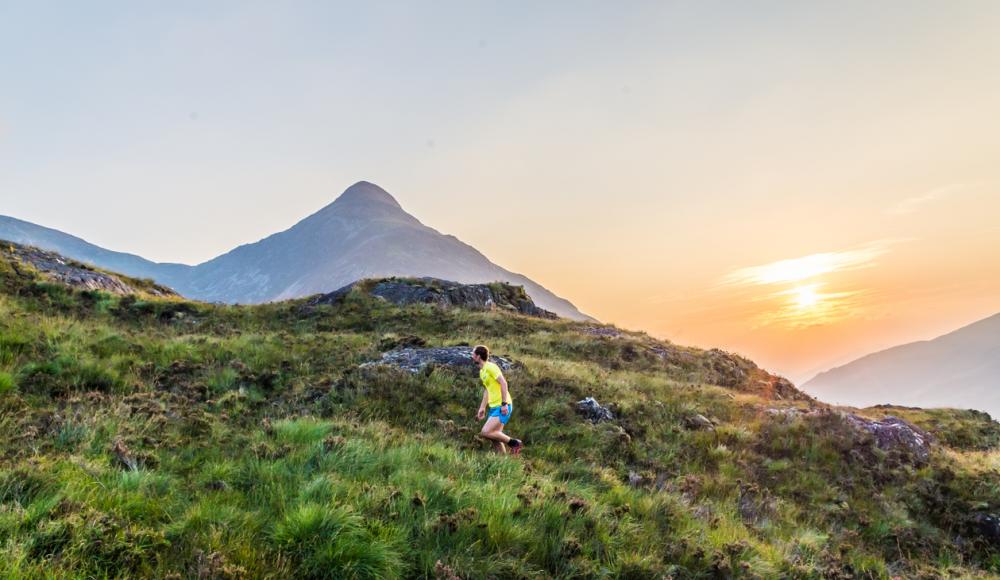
{"points": [[262, 450]]}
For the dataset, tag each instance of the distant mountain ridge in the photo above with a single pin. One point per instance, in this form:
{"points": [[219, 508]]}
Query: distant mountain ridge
{"points": [[959, 369], [27, 233], [364, 233]]}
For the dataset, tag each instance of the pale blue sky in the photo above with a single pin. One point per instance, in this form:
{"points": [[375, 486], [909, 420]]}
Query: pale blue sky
{"points": [[633, 153]]}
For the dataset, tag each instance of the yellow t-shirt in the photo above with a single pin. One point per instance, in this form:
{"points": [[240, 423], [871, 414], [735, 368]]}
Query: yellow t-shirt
{"points": [[490, 375]]}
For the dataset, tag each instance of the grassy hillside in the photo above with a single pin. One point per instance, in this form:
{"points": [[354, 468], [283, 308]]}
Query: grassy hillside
{"points": [[152, 436]]}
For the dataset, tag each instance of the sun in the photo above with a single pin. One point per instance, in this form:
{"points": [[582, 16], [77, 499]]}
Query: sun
{"points": [[806, 296]]}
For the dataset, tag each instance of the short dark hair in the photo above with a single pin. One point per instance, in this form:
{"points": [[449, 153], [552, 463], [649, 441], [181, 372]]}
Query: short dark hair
{"points": [[482, 352]]}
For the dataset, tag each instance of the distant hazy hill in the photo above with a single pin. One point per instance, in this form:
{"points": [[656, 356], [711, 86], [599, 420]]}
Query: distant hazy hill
{"points": [[960, 369], [363, 234], [30, 234]]}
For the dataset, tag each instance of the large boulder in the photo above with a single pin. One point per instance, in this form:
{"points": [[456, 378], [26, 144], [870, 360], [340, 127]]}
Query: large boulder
{"points": [[414, 359], [892, 433], [443, 293]]}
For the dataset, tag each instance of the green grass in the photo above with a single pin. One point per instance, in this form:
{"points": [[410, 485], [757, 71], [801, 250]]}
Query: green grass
{"points": [[262, 450]]}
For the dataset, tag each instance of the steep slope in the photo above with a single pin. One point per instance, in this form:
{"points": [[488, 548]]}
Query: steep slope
{"points": [[364, 233], [164, 438], [959, 369]]}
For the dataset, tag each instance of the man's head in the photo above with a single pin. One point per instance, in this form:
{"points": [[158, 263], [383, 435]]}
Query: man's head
{"points": [[480, 355]]}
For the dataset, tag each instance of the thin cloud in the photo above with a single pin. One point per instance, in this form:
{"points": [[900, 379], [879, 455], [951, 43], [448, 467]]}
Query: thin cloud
{"points": [[912, 204], [806, 267]]}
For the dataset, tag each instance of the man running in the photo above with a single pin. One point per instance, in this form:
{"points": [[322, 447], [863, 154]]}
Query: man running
{"points": [[496, 396]]}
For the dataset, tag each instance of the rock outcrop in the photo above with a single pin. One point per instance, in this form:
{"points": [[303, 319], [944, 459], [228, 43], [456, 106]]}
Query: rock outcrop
{"points": [[893, 433], [55, 267], [888, 434], [608, 331], [735, 372], [715, 366], [443, 293], [414, 359]]}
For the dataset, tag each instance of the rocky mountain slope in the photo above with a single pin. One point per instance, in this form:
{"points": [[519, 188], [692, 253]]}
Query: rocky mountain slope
{"points": [[960, 369], [364, 233], [18, 260], [146, 436], [442, 293]]}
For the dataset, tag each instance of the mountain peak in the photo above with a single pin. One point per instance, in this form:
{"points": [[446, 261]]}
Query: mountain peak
{"points": [[367, 193]]}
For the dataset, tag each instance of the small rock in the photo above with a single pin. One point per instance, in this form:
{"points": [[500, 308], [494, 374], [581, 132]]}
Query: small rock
{"points": [[699, 422], [593, 410]]}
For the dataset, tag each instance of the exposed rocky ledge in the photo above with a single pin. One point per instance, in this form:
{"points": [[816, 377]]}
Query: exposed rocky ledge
{"points": [[415, 359], [888, 434], [895, 433], [78, 275], [444, 293]]}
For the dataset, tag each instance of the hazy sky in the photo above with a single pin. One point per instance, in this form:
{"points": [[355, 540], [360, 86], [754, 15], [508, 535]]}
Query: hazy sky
{"points": [[802, 182]]}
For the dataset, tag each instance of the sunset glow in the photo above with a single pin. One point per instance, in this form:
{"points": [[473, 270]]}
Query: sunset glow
{"points": [[806, 296], [801, 185]]}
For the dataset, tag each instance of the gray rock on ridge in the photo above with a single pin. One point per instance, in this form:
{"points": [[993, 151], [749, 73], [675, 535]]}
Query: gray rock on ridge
{"points": [[415, 359], [894, 433], [444, 293]]}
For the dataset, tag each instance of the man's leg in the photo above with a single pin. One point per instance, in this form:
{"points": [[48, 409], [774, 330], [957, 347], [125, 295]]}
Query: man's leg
{"points": [[493, 430]]}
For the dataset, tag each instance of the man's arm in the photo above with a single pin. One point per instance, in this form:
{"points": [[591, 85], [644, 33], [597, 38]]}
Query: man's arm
{"points": [[504, 396], [486, 400]]}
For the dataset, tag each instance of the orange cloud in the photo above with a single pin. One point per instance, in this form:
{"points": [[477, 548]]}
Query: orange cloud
{"points": [[806, 267]]}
